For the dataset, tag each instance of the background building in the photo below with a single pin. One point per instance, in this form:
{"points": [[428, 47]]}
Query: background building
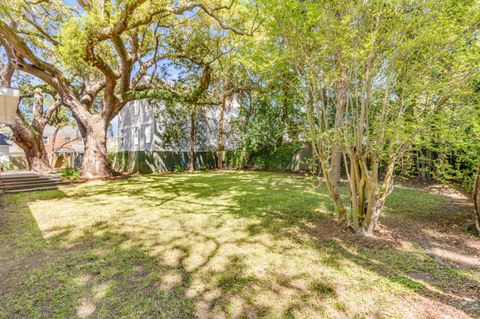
{"points": [[4, 148], [150, 139], [64, 146]]}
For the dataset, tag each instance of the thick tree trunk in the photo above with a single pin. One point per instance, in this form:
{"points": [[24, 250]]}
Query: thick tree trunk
{"points": [[95, 162], [31, 143], [476, 200], [28, 137], [37, 159], [220, 154], [191, 154]]}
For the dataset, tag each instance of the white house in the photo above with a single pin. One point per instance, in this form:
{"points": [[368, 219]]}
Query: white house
{"points": [[4, 148], [141, 127]]}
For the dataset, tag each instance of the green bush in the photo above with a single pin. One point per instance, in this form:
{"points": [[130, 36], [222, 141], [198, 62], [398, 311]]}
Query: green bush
{"points": [[279, 157], [276, 158], [70, 173]]}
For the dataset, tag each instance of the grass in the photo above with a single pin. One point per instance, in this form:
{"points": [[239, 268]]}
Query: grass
{"points": [[221, 244]]}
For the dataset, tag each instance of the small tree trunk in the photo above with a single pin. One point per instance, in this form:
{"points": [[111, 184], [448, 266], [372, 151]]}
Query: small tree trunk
{"points": [[476, 200], [376, 195], [372, 213], [336, 165], [191, 154], [220, 136], [54, 139], [95, 161], [333, 190], [339, 122]]}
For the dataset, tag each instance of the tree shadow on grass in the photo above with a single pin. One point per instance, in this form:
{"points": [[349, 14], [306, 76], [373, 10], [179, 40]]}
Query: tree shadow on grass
{"points": [[287, 211], [276, 206], [102, 273], [106, 272]]}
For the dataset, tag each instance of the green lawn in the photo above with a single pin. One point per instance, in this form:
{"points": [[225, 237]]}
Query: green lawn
{"points": [[230, 245]]}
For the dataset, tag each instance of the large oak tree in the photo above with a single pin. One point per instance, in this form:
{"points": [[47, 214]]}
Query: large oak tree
{"points": [[27, 129], [97, 55]]}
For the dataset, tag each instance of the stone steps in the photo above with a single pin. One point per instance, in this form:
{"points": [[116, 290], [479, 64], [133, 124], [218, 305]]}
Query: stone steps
{"points": [[24, 182]]}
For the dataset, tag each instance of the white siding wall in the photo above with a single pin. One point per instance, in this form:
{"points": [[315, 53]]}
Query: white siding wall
{"points": [[4, 154]]}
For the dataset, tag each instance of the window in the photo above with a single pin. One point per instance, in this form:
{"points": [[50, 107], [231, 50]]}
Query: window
{"points": [[136, 109], [148, 134], [136, 140], [121, 138], [45, 140]]}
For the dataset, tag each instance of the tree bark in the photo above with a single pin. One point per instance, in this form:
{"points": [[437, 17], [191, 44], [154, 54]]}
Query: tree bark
{"points": [[337, 153], [476, 200], [191, 154], [54, 139], [114, 79], [95, 162], [28, 137], [221, 121], [38, 160], [31, 142]]}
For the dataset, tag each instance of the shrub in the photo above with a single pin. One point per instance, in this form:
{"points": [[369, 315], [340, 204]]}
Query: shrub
{"points": [[70, 173], [275, 158]]}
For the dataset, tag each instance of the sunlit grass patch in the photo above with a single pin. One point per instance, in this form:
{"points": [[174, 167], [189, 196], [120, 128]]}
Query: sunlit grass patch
{"points": [[210, 244]]}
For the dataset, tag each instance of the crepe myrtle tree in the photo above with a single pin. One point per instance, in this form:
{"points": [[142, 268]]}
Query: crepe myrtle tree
{"points": [[393, 72], [96, 54]]}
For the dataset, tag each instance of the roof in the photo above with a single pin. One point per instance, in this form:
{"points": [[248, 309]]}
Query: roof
{"points": [[68, 131], [4, 139]]}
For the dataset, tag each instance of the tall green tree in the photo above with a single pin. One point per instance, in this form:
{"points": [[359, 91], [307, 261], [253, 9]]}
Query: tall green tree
{"points": [[37, 106], [97, 54], [370, 74]]}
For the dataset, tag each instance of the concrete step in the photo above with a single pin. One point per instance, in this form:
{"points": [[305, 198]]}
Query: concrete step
{"points": [[27, 181], [22, 176], [27, 185], [17, 178], [31, 189]]}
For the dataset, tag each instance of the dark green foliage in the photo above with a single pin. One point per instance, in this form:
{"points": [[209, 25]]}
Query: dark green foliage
{"points": [[275, 158], [288, 156], [70, 173]]}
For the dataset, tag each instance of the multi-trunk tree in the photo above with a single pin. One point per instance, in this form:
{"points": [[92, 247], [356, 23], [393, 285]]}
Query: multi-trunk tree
{"points": [[97, 55], [364, 70]]}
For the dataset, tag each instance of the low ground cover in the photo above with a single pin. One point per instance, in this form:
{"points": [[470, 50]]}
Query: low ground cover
{"points": [[232, 244]]}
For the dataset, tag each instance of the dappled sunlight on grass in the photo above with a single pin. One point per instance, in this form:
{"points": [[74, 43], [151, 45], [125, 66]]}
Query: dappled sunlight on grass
{"points": [[211, 244]]}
